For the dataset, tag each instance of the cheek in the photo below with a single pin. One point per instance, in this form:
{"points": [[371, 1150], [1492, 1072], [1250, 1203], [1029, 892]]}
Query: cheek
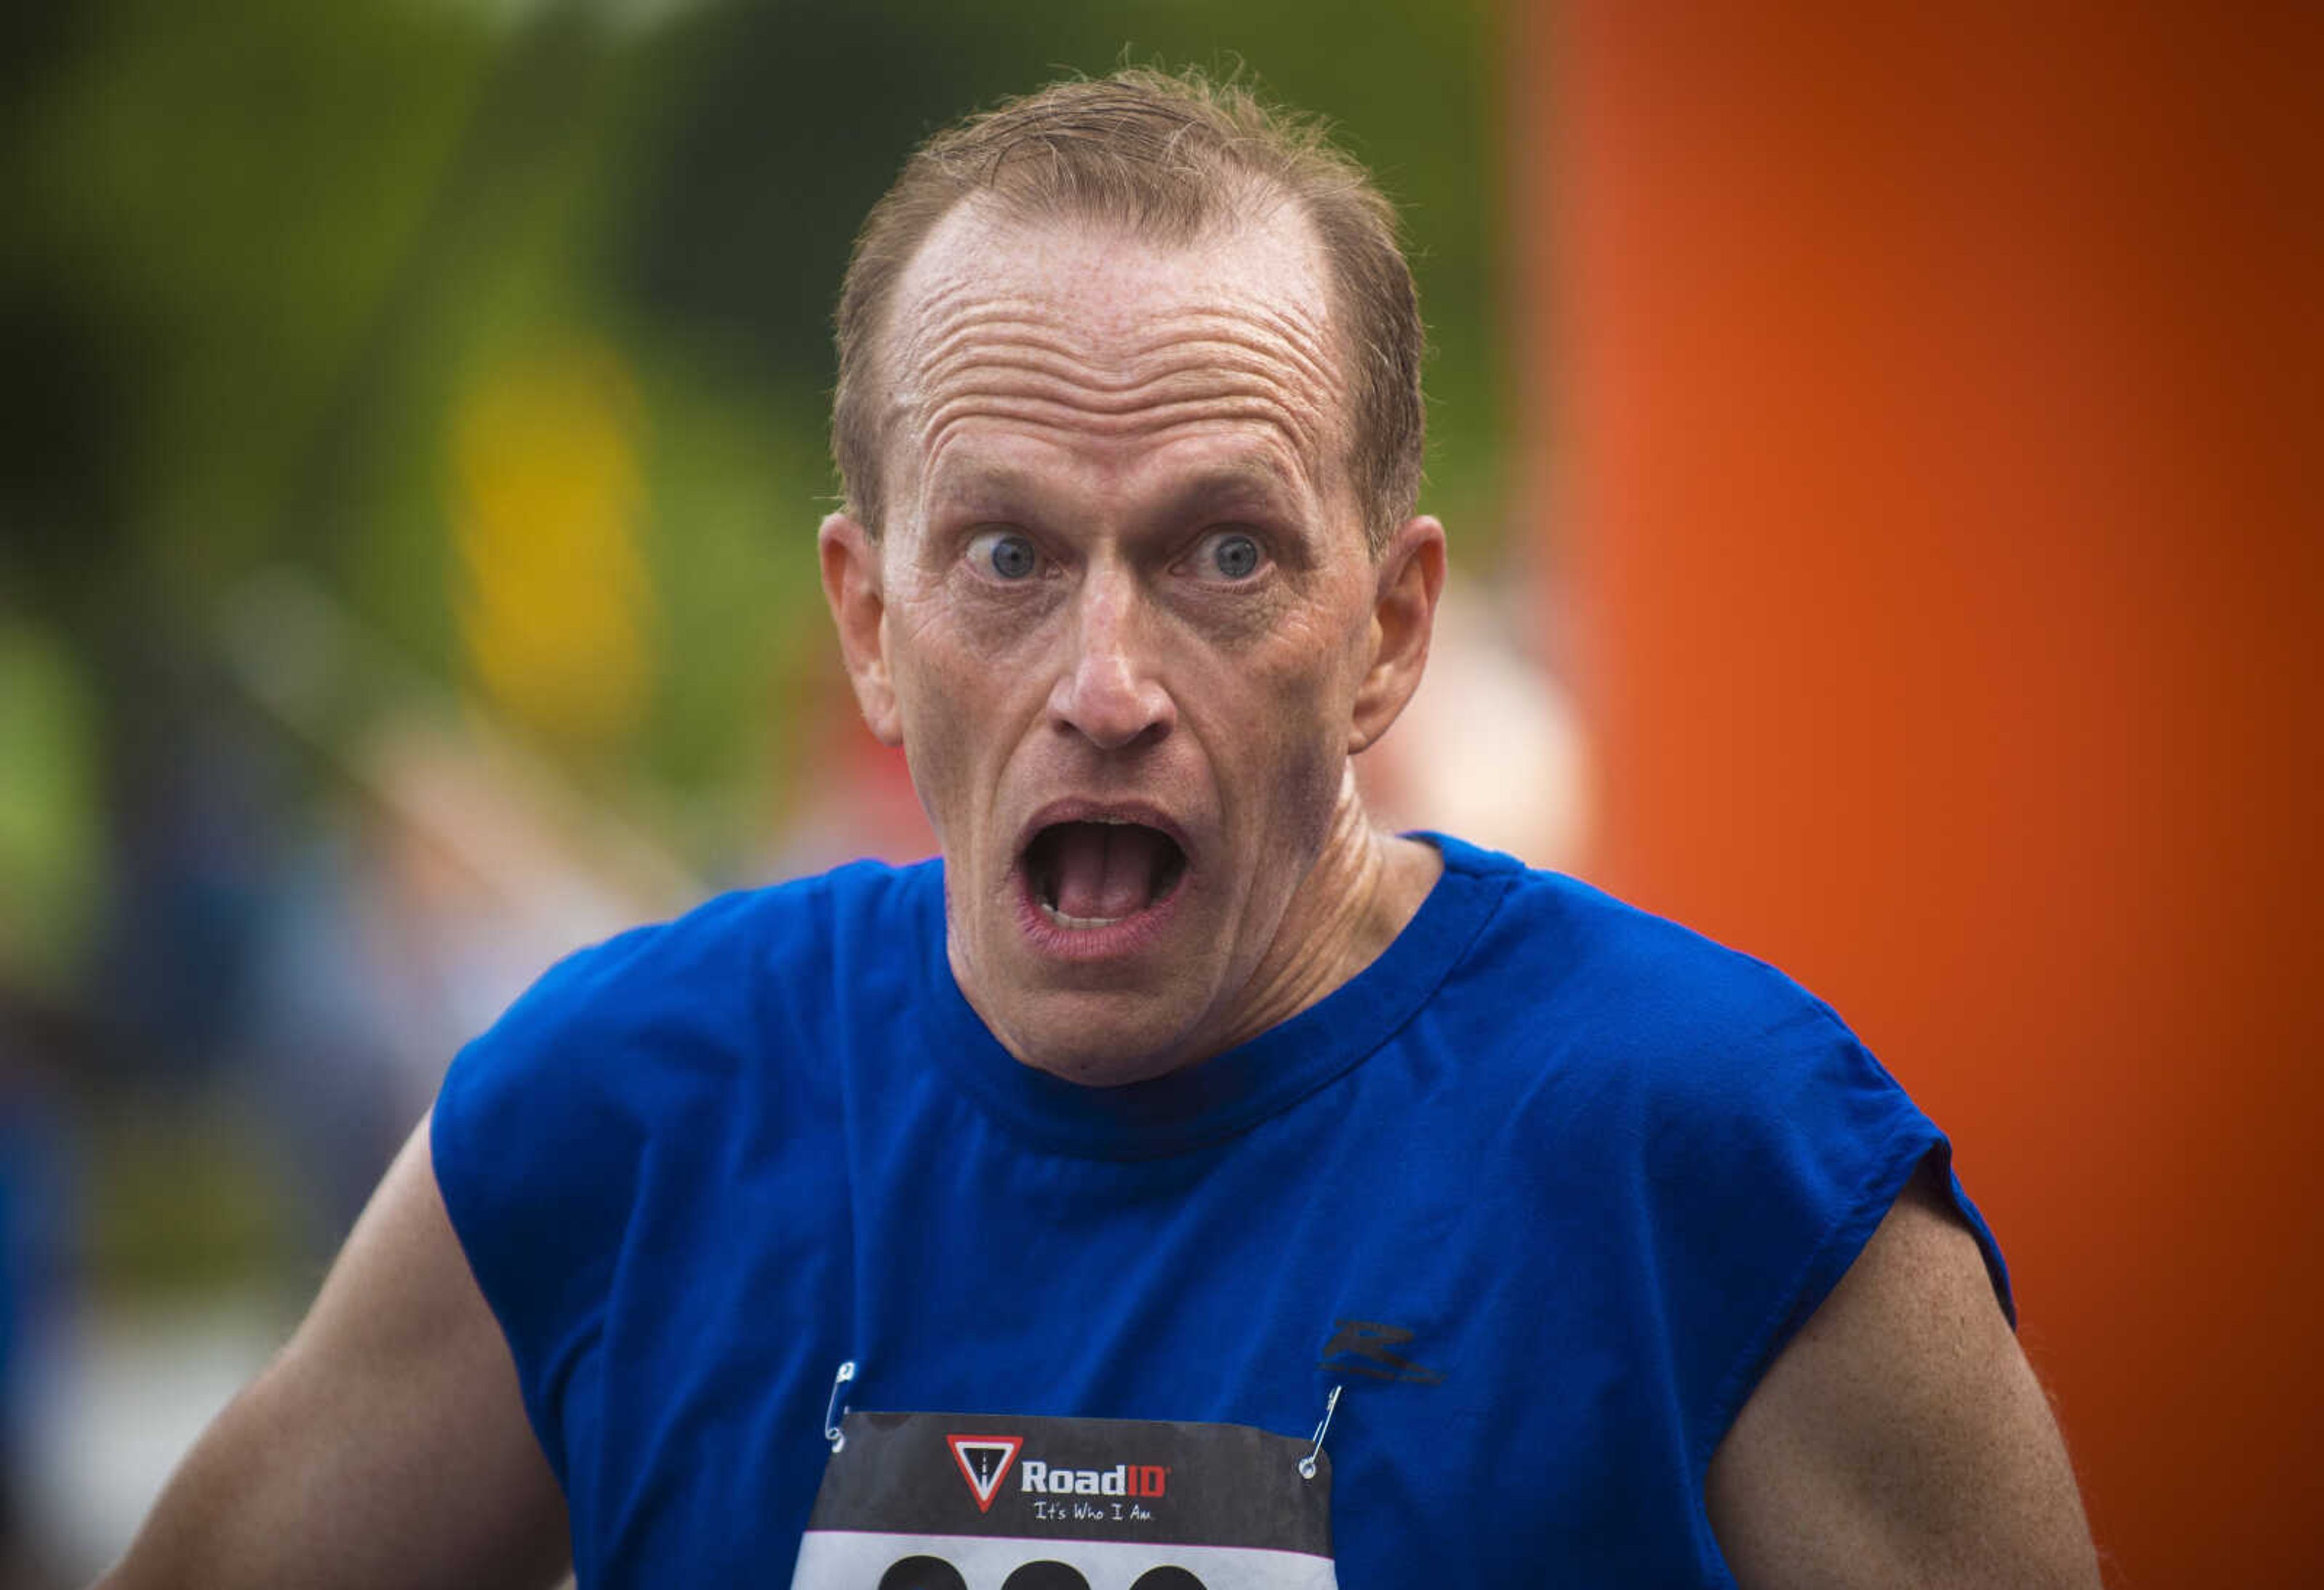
{"points": [[933, 758], [951, 612], [953, 666], [1309, 671], [1293, 737], [939, 737]]}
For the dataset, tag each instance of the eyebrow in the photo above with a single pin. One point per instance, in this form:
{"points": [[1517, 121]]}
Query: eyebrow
{"points": [[988, 488], [1256, 479]]}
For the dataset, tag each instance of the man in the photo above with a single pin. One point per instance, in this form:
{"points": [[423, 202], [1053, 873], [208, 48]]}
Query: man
{"points": [[1200, 1186]]}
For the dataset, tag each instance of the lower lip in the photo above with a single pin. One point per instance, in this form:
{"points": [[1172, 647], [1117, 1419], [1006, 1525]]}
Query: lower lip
{"points": [[1112, 941]]}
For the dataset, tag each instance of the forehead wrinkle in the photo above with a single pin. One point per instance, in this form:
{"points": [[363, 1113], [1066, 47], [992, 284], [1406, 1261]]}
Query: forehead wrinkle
{"points": [[1259, 339], [933, 349], [1182, 379], [1190, 383], [1178, 357], [1308, 343], [1189, 363], [1283, 329], [1146, 424], [1190, 370]]}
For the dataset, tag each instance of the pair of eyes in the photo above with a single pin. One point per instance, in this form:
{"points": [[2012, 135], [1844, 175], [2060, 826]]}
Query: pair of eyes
{"points": [[1226, 555]]}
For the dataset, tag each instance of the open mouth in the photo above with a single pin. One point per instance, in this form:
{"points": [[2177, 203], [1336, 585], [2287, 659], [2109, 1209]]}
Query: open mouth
{"points": [[1095, 874]]}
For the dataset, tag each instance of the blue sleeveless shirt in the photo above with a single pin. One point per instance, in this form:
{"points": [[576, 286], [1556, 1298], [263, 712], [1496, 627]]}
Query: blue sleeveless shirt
{"points": [[1546, 1188]]}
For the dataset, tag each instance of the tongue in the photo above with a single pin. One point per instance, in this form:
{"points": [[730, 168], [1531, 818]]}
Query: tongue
{"points": [[1106, 869]]}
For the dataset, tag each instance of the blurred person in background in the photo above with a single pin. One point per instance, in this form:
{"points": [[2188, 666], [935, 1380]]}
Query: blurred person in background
{"points": [[1176, 1111]]}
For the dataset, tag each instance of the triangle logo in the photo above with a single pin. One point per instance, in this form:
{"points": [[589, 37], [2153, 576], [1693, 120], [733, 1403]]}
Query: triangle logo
{"points": [[984, 1462]]}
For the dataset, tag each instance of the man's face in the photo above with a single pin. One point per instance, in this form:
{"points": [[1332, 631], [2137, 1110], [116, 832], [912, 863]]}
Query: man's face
{"points": [[1122, 619]]}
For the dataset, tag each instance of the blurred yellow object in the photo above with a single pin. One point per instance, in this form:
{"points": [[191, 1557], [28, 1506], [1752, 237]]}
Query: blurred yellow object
{"points": [[558, 606]]}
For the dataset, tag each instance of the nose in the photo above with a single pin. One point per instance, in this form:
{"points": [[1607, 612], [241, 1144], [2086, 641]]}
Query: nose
{"points": [[1107, 690]]}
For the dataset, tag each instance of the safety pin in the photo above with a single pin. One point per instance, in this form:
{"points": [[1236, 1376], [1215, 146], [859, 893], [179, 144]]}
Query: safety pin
{"points": [[1307, 1464], [832, 1412]]}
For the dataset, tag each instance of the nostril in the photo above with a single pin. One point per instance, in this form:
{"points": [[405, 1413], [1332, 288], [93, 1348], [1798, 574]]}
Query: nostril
{"points": [[1113, 706]]}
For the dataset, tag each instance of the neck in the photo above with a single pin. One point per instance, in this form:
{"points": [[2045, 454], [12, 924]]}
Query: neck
{"points": [[1365, 886]]}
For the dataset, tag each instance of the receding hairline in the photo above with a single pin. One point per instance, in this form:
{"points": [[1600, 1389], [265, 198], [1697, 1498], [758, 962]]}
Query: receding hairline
{"points": [[894, 345], [1169, 156]]}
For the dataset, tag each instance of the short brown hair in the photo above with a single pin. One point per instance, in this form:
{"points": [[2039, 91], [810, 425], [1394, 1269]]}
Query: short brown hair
{"points": [[1167, 155]]}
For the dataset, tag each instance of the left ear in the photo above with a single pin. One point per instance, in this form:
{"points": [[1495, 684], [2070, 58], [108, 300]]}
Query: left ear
{"points": [[1411, 571]]}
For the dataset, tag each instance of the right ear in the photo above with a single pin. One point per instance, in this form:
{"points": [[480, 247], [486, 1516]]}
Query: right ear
{"points": [[859, 607]]}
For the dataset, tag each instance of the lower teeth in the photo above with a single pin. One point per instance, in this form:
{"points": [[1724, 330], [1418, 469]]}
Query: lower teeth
{"points": [[1062, 920]]}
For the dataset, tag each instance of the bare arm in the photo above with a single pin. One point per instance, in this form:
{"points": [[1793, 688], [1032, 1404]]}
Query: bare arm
{"points": [[385, 1445], [1901, 1438]]}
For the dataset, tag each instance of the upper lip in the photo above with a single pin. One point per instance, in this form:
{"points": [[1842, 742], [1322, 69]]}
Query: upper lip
{"points": [[1090, 809]]}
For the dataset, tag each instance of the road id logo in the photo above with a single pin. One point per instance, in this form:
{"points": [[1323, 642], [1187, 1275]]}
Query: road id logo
{"points": [[984, 1462]]}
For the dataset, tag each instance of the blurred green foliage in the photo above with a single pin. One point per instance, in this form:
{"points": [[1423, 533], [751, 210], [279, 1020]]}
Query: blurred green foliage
{"points": [[50, 842]]}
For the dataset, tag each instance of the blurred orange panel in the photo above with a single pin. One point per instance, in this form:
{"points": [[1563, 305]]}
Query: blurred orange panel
{"points": [[1935, 392]]}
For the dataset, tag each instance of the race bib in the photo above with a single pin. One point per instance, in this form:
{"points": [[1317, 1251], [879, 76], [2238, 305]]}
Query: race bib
{"points": [[946, 1502]]}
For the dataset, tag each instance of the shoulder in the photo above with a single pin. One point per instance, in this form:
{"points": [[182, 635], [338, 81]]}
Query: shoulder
{"points": [[738, 934], [662, 1034], [702, 984], [1713, 1071], [1723, 1118], [1621, 997]]}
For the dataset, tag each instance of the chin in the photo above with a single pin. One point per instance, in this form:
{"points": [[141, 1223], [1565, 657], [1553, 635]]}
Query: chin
{"points": [[1095, 1041]]}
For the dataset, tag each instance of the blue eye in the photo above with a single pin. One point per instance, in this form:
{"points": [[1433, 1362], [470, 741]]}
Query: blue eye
{"points": [[1230, 554], [1005, 554]]}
